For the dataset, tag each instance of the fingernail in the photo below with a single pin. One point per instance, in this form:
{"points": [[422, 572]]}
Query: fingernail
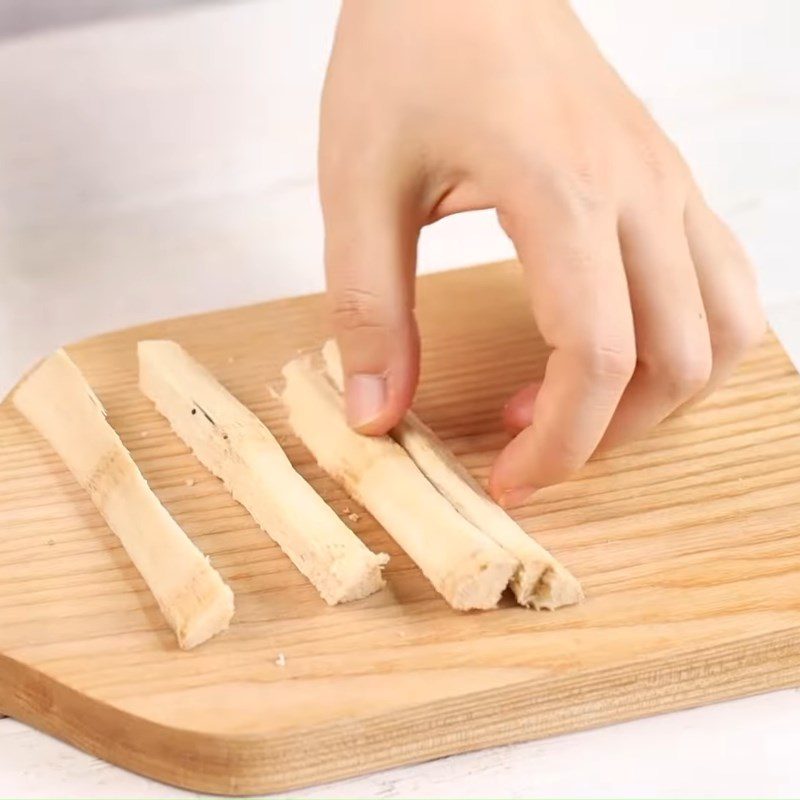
{"points": [[366, 398], [516, 497]]}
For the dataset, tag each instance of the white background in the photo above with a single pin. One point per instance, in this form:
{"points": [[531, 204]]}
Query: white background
{"points": [[164, 164]]}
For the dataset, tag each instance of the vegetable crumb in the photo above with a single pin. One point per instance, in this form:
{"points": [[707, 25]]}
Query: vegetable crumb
{"points": [[190, 481], [353, 517], [281, 660]]}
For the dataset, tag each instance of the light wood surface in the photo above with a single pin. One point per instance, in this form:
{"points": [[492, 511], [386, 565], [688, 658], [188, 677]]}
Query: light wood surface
{"points": [[687, 543]]}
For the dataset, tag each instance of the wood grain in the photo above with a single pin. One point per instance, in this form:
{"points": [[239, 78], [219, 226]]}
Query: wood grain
{"points": [[687, 543]]}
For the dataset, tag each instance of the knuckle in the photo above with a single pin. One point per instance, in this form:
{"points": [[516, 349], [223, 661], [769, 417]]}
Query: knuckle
{"points": [[736, 333], [575, 185], [665, 171], [356, 309], [581, 190], [659, 163], [608, 363], [682, 374]]}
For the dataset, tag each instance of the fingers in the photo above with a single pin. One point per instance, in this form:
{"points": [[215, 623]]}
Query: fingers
{"points": [[370, 255], [580, 301], [727, 282], [518, 411], [696, 313], [674, 359]]}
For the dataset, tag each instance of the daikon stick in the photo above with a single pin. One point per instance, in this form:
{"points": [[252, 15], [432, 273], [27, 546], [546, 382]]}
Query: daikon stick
{"points": [[540, 580], [192, 596], [466, 567], [237, 447]]}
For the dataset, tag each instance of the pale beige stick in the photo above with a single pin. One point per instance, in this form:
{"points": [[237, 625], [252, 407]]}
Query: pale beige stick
{"points": [[62, 406], [466, 567], [540, 581], [237, 447]]}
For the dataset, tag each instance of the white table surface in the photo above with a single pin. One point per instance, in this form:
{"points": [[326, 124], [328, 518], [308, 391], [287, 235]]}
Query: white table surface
{"points": [[160, 166]]}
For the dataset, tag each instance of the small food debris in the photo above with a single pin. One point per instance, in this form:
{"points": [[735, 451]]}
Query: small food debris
{"points": [[280, 660], [190, 481], [346, 510], [51, 542], [353, 517]]}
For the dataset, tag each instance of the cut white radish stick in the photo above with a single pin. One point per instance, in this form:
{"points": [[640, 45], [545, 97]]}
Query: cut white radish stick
{"points": [[237, 447], [61, 405], [466, 567], [540, 580]]}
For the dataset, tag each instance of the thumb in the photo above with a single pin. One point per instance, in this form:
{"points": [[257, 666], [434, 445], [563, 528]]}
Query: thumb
{"points": [[370, 261]]}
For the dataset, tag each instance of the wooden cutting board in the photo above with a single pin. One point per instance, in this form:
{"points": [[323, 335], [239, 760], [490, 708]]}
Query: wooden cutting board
{"points": [[687, 543]]}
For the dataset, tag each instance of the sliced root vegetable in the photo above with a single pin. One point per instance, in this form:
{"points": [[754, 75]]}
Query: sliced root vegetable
{"points": [[465, 566], [192, 596], [237, 447], [540, 580]]}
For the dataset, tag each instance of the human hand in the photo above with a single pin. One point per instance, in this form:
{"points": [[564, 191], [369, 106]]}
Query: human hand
{"points": [[431, 108]]}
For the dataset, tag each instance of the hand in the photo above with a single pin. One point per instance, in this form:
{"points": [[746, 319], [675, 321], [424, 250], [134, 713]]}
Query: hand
{"points": [[431, 108]]}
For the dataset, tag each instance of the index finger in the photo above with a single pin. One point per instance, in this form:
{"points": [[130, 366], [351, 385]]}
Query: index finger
{"points": [[580, 300]]}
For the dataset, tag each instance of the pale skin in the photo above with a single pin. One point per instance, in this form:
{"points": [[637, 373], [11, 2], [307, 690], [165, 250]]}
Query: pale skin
{"points": [[433, 107]]}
